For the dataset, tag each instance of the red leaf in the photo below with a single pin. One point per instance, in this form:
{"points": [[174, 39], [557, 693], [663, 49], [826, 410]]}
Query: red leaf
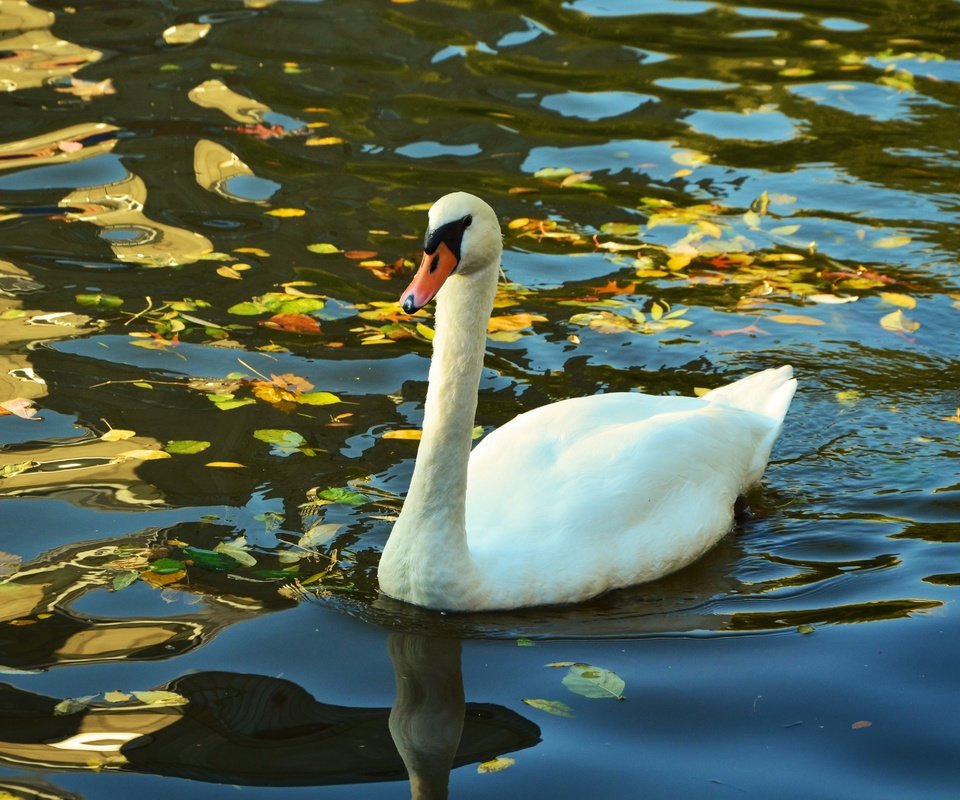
{"points": [[293, 323], [360, 255]]}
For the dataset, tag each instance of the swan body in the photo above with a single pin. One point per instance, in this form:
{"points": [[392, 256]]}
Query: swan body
{"points": [[572, 499]]}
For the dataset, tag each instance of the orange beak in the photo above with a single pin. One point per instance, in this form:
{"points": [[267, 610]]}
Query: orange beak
{"points": [[435, 268]]}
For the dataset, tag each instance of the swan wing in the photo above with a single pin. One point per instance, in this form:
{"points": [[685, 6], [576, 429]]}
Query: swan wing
{"points": [[594, 493]]}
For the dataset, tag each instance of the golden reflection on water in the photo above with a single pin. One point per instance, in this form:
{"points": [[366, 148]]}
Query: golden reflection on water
{"points": [[35, 56]]}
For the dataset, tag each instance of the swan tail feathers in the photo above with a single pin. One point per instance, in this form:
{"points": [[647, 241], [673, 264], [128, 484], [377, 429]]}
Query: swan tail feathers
{"points": [[768, 393]]}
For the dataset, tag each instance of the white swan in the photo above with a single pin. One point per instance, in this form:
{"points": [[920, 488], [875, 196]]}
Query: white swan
{"points": [[570, 500]]}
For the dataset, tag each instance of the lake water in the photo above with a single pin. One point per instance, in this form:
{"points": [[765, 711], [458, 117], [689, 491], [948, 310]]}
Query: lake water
{"points": [[208, 213]]}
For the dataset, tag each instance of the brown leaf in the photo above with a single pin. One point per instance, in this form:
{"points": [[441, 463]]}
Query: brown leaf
{"points": [[293, 323]]}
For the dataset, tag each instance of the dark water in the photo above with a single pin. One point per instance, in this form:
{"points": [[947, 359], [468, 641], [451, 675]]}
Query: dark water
{"points": [[787, 174]]}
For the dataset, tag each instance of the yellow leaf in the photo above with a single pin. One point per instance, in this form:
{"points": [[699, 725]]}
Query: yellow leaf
{"points": [[254, 251], [751, 219], [689, 158], [774, 257], [117, 435], [505, 336], [513, 322], [286, 212], [710, 228], [116, 696], [145, 455], [402, 434], [496, 765], [229, 272], [796, 319], [519, 222], [320, 141], [682, 173], [898, 322], [888, 242], [225, 465], [848, 396], [897, 299]]}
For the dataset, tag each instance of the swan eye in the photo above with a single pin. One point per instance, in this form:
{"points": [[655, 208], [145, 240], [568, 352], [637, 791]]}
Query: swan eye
{"points": [[466, 221]]}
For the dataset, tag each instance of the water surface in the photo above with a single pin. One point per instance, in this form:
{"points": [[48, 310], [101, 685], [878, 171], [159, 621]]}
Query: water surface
{"points": [[208, 212]]}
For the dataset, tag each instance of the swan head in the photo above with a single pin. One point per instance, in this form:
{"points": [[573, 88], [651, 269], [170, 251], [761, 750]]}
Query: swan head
{"points": [[463, 237]]}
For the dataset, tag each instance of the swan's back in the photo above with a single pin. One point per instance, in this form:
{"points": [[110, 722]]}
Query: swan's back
{"points": [[595, 493]]}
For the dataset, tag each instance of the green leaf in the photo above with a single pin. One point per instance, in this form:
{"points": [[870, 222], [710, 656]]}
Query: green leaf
{"points": [[344, 496], [225, 402], [590, 681], [99, 300], [317, 398], [279, 437], [167, 566], [524, 642], [323, 247], [554, 707], [553, 173], [247, 309], [209, 559], [805, 629], [186, 446], [123, 579]]}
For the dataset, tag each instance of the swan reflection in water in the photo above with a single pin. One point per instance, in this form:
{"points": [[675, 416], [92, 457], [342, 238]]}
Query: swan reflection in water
{"points": [[258, 730]]}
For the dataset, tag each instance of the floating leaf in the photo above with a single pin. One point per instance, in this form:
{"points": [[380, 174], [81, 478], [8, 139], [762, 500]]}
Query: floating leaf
{"points": [[554, 707], [225, 465], [898, 322], [889, 242], [99, 300], [513, 322], [123, 579], [166, 566], [317, 398], [785, 230], [285, 213], [321, 141], [323, 248], [590, 681], [863, 723], [72, 705], [831, 298], [157, 698], [145, 455], [495, 765], [186, 33], [898, 299], [293, 323], [402, 434], [238, 550], [247, 309], [117, 435], [116, 696], [523, 641], [186, 446], [344, 496], [553, 173], [226, 402], [209, 559], [805, 629], [848, 396], [795, 319], [319, 534]]}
